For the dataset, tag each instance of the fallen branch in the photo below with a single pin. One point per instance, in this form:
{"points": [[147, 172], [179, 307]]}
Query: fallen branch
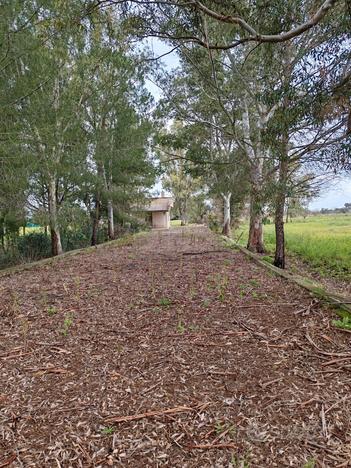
{"points": [[205, 252], [324, 352], [152, 414], [211, 446], [47, 370], [335, 361]]}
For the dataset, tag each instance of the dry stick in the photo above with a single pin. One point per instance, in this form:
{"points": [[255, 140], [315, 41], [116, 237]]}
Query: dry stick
{"points": [[13, 356], [259, 335], [342, 330], [324, 352], [267, 384], [211, 446], [151, 414], [324, 424], [8, 461], [336, 404], [335, 361], [204, 252]]}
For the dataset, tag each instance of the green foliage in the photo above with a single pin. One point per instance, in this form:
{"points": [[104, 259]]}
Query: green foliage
{"points": [[75, 124], [165, 302], [324, 242], [311, 463], [107, 430], [180, 327], [34, 246], [67, 323], [52, 310], [345, 323]]}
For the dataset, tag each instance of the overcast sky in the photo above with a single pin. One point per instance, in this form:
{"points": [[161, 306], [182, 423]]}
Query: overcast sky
{"points": [[332, 197]]}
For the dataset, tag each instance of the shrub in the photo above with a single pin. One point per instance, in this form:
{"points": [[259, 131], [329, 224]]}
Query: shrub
{"points": [[34, 246]]}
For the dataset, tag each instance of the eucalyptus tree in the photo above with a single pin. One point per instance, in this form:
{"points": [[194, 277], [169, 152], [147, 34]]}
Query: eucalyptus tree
{"points": [[182, 20], [50, 118], [41, 98], [222, 167], [310, 125], [116, 120]]}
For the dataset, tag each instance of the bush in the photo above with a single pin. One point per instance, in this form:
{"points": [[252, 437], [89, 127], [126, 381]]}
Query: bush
{"points": [[34, 246], [72, 240]]}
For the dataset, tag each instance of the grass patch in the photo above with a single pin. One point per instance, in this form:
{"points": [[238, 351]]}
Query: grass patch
{"points": [[323, 241]]}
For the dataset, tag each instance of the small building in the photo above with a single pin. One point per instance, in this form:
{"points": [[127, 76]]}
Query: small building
{"points": [[159, 211]]}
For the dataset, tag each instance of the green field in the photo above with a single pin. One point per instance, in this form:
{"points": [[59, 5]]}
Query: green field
{"points": [[175, 222], [323, 241]]}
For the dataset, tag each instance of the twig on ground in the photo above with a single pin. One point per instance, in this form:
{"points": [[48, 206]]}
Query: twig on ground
{"points": [[261, 336], [324, 352], [335, 361], [151, 414], [205, 252], [211, 446], [8, 461]]}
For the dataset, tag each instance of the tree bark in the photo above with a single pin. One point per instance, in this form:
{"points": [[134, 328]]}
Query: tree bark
{"points": [[96, 220], [183, 214], [56, 246], [226, 214], [110, 221], [255, 242], [279, 258]]}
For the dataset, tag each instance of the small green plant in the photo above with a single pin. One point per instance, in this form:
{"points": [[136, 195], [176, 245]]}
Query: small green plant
{"points": [[227, 262], [25, 326], [222, 427], [240, 461], [206, 302], [52, 310], [219, 427], [268, 259], [344, 323], [107, 430], [254, 283], [180, 327], [193, 328], [164, 302], [310, 463], [67, 323], [222, 287]]}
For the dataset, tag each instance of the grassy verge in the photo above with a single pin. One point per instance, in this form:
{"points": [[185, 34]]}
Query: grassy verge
{"points": [[322, 241]]}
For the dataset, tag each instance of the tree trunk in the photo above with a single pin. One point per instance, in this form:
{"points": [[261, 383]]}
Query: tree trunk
{"points": [[56, 246], [183, 214], [96, 220], [255, 242], [279, 259], [287, 213], [110, 226], [226, 214]]}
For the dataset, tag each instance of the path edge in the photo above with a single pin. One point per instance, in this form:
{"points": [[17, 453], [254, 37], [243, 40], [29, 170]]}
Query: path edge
{"points": [[333, 299], [120, 242]]}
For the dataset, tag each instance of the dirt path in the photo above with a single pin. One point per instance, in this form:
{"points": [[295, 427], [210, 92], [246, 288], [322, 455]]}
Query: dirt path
{"points": [[173, 321]]}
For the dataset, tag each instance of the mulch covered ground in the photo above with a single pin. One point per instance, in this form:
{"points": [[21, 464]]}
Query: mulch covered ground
{"points": [[170, 351]]}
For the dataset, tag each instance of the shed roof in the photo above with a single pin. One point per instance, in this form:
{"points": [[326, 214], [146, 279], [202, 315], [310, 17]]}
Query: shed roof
{"points": [[160, 204]]}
